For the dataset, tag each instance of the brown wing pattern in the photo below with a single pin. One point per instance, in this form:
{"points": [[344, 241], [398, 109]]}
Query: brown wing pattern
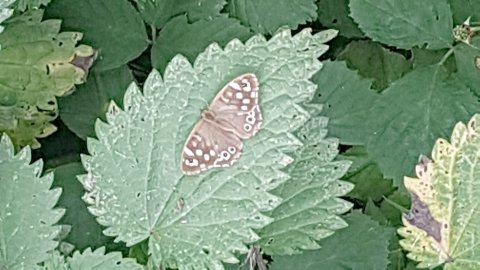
{"points": [[233, 115]]}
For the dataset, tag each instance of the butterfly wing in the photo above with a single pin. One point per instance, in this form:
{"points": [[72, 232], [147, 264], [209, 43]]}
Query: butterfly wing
{"points": [[236, 107], [209, 146]]}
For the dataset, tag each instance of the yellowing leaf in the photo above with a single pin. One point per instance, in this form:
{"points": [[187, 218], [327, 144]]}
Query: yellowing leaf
{"points": [[443, 225]]}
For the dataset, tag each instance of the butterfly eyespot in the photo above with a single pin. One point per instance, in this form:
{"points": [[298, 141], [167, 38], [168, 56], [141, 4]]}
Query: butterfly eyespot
{"points": [[191, 162], [250, 120], [225, 155], [232, 149], [247, 127]]}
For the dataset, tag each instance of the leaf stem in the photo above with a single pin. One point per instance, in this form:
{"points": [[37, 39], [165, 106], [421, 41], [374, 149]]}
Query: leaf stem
{"points": [[445, 57], [396, 205]]}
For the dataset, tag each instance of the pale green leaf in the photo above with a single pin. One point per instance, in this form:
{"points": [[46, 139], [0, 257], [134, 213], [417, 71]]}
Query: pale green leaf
{"points": [[467, 58], [374, 61], [267, 16], [36, 66], [90, 101], [99, 260], [310, 207], [362, 245], [26, 209], [442, 226], [113, 27], [134, 182], [5, 12], [405, 23], [335, 14], [159, 12], [347, 100], [180, 37], [415, 110]]}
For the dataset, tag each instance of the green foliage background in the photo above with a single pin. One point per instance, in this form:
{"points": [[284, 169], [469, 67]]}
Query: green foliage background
{"points": [[394, 80]]}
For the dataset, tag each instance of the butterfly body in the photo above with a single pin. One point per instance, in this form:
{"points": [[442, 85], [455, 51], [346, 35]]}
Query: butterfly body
{"points": [[233, 116]]}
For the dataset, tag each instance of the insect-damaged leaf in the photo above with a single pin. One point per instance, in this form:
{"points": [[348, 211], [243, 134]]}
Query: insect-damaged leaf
{"points": [[443, 224], [135, 185]]}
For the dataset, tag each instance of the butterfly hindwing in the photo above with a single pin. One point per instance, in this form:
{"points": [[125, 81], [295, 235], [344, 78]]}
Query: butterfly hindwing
{"points": [[210, 147]]}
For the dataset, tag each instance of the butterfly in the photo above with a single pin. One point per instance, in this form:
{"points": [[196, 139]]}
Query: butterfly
{"points": [[233, 116]]}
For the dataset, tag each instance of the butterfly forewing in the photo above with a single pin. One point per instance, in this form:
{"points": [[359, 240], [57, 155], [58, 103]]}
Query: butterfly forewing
{"points": [[233, 115]]}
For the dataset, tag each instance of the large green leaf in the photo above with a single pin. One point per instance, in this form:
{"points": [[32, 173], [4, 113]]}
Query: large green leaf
{"points": [[466, 57], [113, 27], [26, 214], [405, 23], [363, 245], [90, 101], [180, 37], [410, 114], [134, 182], [347, 100], [310, 204], [159, 12], [267, 16], [443, 224], [37, 63]]}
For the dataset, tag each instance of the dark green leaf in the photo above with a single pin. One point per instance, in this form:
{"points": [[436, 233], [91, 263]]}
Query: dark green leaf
{"points": [[336, 14]]}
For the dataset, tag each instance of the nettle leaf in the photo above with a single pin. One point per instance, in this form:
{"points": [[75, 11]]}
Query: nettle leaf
{"points": [[37, 64], [267, 16], [374, 61], [466, 57], [347, 100], [180, 37], [26, 209], [122, 36], [442, 226], [335, 14], [310, 204], [90, 101], [363, 245], [405, 24], [159, 12], [134, 182], [463, 9], [99, 260], [5, 12], [365, 174], [411, 113]]}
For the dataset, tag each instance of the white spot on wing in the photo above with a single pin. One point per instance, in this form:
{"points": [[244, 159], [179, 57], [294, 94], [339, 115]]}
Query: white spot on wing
{"points": [[189, 152], [244, 108], [212, 153], [246, 101], [199, 152], [235, 86], [206, 157], [239, 95]]}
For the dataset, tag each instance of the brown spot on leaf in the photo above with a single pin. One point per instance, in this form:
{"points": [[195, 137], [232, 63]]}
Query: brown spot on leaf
{"points": [[84, 62], [421, 217]]}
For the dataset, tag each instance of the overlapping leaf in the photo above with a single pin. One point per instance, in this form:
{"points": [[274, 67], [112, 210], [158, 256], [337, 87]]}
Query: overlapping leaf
{"points": [[467, 58], [36, 65], [442, 226], [267, 16], [26, 214], [335, 14], [159, 12], [363, 245], [180, 37], [115, 28], [463, 9], [348, 99], [411, 113], [405, 23], [134, 182], [310, 203]]}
